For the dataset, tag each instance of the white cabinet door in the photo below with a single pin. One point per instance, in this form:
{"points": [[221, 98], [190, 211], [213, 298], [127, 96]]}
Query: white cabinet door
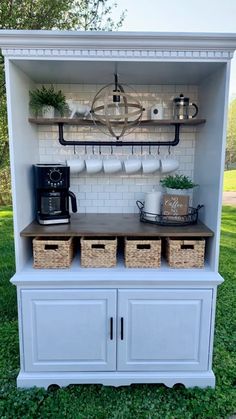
{"points": [[164, 330], [69, 330]]}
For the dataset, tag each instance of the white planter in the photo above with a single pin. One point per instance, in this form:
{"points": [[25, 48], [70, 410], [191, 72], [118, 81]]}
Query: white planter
{"points": [[48, 112], [172, 191]]}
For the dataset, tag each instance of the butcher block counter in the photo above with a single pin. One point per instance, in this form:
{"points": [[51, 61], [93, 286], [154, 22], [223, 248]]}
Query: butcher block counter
{"points": [[119, 225]]}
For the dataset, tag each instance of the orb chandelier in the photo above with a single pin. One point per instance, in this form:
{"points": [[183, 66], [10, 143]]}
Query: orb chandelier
{"points": [[115, 110]]}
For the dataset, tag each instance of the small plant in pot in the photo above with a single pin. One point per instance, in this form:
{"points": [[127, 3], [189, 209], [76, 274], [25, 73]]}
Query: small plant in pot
{"points": [[44, 101], [177, 184]]}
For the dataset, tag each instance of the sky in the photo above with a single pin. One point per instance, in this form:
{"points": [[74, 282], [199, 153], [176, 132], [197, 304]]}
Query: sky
{"points": [[181, 16]]}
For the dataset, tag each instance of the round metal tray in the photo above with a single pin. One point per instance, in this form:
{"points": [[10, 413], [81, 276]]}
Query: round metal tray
{"points": [[169, 220]]}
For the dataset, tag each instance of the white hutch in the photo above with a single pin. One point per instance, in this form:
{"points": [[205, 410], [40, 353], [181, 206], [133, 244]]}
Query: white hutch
{"points": [[167, 314]]}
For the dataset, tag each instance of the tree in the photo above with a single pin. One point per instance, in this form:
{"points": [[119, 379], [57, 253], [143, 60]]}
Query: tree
{"points": [[45, 14], [231, 135], [95, 15]]}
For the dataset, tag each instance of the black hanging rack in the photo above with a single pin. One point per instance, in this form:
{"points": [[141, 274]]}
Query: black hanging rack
{"points": [[118, 142], [61, 122]]}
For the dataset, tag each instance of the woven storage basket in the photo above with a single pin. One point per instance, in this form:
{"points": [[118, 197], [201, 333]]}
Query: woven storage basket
{"points": [[142, 253], [52, 252], [185, 253], [98, 252]]}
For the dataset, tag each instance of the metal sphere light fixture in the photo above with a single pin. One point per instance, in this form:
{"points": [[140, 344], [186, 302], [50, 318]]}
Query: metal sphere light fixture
{"points": [[115, 109]]}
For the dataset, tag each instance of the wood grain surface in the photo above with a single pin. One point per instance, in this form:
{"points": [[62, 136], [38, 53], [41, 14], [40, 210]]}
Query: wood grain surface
{"points": [[89, 122], [113, 225]]}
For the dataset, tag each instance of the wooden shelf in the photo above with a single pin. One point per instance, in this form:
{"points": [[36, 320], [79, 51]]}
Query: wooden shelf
{"points": [[87, 122], [119, 225]]}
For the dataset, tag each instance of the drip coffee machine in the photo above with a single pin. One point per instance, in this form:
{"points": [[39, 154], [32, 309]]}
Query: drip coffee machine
{"points": [[52, 182]]}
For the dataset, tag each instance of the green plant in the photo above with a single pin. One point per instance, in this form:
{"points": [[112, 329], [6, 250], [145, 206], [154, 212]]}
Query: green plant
{"points": [[178, 182], [47, 97]]}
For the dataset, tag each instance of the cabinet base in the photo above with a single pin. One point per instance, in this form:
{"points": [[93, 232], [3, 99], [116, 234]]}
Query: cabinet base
{"points": [[116, 379]]}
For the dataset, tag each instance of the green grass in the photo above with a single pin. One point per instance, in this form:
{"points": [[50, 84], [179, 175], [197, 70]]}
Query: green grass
{"points": [[136, 401], [230, 180]]}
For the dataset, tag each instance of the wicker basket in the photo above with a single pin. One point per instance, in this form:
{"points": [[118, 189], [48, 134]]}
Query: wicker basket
{"points": [[141, 253], [98, 252], [185, 253], [52, 252]]}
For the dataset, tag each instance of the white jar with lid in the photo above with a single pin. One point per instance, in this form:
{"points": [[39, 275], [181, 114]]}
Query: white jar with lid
{"points": [[156, 111], [152, 204]]}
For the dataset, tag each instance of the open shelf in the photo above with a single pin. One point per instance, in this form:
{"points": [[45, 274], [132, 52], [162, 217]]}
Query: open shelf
{"points": [[119, 225], [108, 273], [89, 122]]}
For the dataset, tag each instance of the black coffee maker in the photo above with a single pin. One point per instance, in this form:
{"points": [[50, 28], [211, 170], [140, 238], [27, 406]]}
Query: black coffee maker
{"points": [[52, 182]]}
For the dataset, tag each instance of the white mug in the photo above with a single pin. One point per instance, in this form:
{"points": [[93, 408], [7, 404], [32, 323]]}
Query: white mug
{"points": [[169, 165], [112, 165], [132, 165], [93, 165], [150, 165], [76, 165]]}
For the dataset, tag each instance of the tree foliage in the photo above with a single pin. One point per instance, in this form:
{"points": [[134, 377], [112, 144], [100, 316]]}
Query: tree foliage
{"points": [[96, 15], [59, 14], [231, 135], [46, 14]]}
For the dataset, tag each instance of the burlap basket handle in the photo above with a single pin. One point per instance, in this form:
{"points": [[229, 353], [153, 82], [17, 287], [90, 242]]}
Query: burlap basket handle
{"points": [[189, 242], [143, 246], [51, 247], [98, 246]]}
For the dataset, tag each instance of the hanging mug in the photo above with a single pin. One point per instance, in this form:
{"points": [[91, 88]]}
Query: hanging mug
{"points": [[181, 108]]}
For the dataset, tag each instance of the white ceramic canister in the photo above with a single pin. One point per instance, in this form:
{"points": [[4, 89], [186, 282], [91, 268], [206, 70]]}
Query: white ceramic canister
{"points": [[152, 204], [156, 111]]}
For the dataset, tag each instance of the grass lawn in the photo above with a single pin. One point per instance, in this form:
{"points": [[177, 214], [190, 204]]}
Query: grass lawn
{"points": [[230, 180], [136, 401]]}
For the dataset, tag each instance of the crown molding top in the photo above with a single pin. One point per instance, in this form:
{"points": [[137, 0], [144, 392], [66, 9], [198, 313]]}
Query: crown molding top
{"points": [[98, 45], [102, 39]]}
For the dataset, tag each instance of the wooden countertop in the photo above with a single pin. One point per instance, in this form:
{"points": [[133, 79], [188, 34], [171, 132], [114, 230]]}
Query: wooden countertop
{"points": [[113, 225]]}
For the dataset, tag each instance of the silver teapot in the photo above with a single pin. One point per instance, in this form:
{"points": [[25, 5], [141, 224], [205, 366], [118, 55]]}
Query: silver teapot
{"points": [[181, 108]]}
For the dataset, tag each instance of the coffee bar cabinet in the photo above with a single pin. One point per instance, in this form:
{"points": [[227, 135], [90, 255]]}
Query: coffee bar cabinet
{"points": [[117, 326]]}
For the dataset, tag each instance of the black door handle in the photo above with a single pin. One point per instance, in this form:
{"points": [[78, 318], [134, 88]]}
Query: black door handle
{"points": [[122, 328], [111, 328]]}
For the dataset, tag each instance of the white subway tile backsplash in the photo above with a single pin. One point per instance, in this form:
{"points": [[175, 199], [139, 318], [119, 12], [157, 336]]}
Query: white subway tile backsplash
{"points": [[118, 192], [92, 195], [85, 188], [104, 195], [115, 195], [128, 195]]}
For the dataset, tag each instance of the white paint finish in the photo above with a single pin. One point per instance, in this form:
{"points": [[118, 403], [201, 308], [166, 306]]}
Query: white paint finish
{"points": [[164, 330], [110, 44], [117, 276], [116, 379], [172, 57], [209, 155], [87, 72], [68, 330], [23, 153]]}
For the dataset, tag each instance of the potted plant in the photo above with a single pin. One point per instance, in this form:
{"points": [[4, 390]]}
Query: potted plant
{"points": [[44, 101], [177, 184]]}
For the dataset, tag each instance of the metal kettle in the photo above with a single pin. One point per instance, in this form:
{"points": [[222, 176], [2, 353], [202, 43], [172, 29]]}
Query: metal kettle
{"points": [[181, 108]]}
